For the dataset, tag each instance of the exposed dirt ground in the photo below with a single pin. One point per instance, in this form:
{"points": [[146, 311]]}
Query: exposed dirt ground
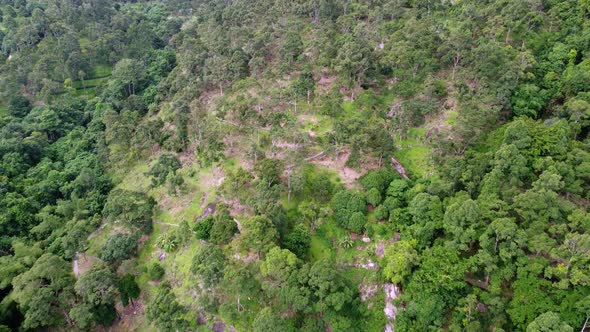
{"points": [[348, 175]]}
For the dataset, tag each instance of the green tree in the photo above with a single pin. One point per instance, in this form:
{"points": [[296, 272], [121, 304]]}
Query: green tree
{"points": [[259, 234], [353, 58], [135, 209], [278, 265], [44, 291], [327, 286], [427, 215], [223, 229], [292, 47], [203, 227], [381, 212], [267, 321], [527, 101], [373, 197], [129, 74], [208, 264], [357, 222], [548, 322], [19, 106], [345, 204], [128, 288], [165, 165], [118, 248], [400, 258], [269, 171], [165, 311], [462, 221], [97, 286], [298, 240], [83, 315]]}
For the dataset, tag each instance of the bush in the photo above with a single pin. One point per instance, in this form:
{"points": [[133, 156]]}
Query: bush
{"points": [[381, 212], [223, 230], [357, 222], [168, 241], [345, 242], [156, 271], [118, 248], [346, 203], [439, 88], [167, 163], [298, 241], [374, 197], [378, 179], [203, 227], [19, 106]]}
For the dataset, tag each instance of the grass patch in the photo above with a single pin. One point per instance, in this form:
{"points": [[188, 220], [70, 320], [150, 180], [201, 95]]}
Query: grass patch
{"points": [[134, 178], [97, 242], [322, 241], [320, 125], [100, 74], [414, 154], [89, 83], [492, 141], [320, 248], [84, 42], [101, 70], [451, 117]]}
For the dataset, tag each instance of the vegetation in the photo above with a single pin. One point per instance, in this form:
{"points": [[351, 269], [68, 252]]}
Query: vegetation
{"points": [[338, 165]]}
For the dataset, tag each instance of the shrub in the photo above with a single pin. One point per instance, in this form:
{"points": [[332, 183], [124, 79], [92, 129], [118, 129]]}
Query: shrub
{"points": [[203, 227], [357, 222], [223, 230], [381, 212], [374, 197], [156, 271], [118, 248]]}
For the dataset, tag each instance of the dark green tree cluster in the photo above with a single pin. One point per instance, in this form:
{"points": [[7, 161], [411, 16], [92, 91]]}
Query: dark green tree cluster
{"points": [[217, 229], [496, 239], [58, 143], [505, 219]]}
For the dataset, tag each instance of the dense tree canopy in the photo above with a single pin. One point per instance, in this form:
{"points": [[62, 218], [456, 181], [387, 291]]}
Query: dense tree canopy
{"points": [[280, 165]]}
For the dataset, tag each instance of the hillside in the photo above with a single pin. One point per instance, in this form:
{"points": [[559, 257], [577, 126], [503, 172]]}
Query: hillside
{"points": [[308, 165]]}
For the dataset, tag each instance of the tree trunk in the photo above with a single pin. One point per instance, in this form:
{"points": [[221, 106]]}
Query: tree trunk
{"points": [[289, 187], [508, 36], [456, 61]]}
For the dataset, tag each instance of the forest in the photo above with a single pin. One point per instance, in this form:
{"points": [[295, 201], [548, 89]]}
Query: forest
{"points": [[295, 165]]}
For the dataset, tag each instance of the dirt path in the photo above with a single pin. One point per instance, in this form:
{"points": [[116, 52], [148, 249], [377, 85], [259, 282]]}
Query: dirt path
{"points": [[98, 230], [165, 224]]}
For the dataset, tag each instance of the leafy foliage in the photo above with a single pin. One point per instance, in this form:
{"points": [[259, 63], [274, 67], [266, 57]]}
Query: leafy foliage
{"points": [[118, 248], [165, 311]]}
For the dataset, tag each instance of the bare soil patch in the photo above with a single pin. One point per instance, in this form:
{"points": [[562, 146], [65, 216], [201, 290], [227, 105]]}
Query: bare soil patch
{"points": [[175, 204], [85, 262], [324, 85], [211, 180], [348, 175], [127, 316]]}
